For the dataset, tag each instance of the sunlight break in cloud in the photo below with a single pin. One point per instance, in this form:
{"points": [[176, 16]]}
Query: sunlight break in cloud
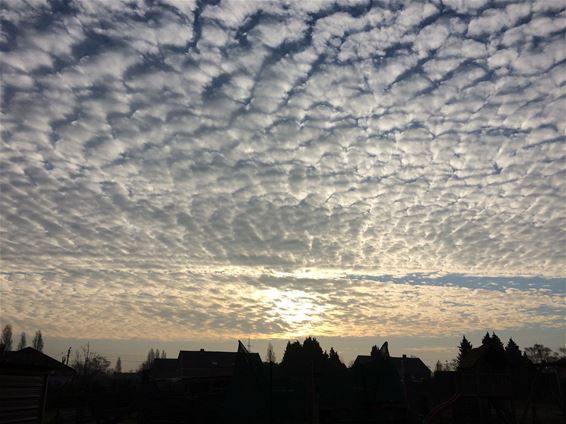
{"points": [[165, 159]]}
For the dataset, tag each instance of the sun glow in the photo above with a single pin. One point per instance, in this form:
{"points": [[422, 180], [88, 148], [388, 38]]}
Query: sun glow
{"points": [[300, 311]]}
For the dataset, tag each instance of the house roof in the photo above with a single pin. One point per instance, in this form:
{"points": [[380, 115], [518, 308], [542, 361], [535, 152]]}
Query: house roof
{"points": [[380, 377], [32, 359], [203, 363], [413, 366], [474, 357], [164, 368]]}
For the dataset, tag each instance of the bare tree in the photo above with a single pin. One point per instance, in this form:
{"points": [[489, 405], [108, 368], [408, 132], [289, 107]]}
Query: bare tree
{"points": [[270, 354], [152, 355], [6, 339], [23, 343], [38, 341], [539, 353], [89, 362]]}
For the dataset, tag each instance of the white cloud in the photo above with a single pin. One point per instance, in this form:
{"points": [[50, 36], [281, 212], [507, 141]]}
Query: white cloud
{"points": [[249, 134]]}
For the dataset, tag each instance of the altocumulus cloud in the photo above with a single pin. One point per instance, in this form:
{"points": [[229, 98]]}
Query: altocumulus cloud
{"points": [[277, 168]]}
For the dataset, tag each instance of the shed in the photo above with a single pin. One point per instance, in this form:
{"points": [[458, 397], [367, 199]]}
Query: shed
{"points": [[24, 376]]}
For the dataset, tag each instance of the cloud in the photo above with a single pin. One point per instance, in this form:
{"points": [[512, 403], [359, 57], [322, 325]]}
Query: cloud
{"points": [[248, 301], [143, 139]]}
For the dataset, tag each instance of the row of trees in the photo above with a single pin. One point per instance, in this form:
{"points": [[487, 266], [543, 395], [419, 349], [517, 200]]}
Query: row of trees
{"points": [[303, 358], [152, 355], [6, 340], [88, 362], [537, 353]]}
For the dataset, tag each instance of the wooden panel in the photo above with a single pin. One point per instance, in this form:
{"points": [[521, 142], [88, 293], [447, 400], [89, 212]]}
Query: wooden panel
{"points": [[21, 380], [20, 392], [21, 398], [22, 415], [18, 403]]}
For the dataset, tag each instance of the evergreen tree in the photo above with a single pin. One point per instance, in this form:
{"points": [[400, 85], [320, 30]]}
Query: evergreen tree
{"points": [[118, 367], [513, 352], [38, 341], [438, 366], [303, 359], [292, 355], [334, 360], [374, 351], [486, 339], [23, 342], [163, 354], [333, 354], [312, 348], [464, 348], [496, 342], [6, 339]]}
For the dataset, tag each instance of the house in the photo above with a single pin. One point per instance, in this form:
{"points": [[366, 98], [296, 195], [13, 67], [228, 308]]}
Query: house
{"points": [[32, 359], [24, 375], [163, 368], [199, 384], [409, 369], [206, 364], [197, 364], [378, 387], [481, 389]]}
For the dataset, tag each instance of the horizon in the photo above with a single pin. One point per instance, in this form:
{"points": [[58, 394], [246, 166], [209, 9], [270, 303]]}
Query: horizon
{"points": [[429, 349], [203, 171]]}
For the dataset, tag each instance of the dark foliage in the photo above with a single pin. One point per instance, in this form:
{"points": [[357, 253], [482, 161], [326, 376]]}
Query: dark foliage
{"points": [[464, 348]]}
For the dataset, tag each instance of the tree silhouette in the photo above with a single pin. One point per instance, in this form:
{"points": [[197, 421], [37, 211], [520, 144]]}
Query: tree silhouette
{"points": [[334, 361], [374, 351], [23, 343], [152, 355], [539, 353], [270, 355], [464, 348], [6, 339], [304, 359], [486, 339], [333, 355], [513, 352], [292, 355], [118, 367], [496, 342], [38, 341], [163, 354], [88, 362]]}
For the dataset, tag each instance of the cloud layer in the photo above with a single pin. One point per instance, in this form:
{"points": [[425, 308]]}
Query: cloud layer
{"points": [[175, 158]]}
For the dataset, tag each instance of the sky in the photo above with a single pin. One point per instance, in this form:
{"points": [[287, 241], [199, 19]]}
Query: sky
{"points": [[186, 173]]}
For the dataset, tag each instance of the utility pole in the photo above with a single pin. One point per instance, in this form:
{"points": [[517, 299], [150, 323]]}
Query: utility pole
{"points": [[68, 353]]}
